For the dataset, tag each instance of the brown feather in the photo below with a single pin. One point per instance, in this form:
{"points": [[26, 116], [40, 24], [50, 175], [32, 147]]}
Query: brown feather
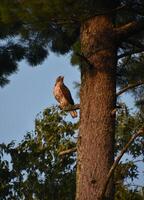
{"points": [[63, 95], [67, 94]]}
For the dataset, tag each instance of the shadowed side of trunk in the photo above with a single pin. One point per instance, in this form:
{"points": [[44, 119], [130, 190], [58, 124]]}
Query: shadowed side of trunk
{"points": [[97, 125]]}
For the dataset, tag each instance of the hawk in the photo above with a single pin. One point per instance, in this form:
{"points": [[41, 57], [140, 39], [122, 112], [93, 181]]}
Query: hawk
{"points": [[63, 95]]}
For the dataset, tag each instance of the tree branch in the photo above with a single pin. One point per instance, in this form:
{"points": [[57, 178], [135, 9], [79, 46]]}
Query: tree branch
{"points": [[68, 151], [129, 29], [71, 107], [129, 53], [130, 86], [113, 167]]}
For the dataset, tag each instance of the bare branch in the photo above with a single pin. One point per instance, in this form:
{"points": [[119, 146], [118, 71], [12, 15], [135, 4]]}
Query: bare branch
{"points": [[129, 53], [71, 107], [68, 151], [113, 167], [129, 29], [130, 86]]}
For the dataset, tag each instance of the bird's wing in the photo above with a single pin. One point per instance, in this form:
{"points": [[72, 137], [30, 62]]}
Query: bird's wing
{"points": [[67, 94]]}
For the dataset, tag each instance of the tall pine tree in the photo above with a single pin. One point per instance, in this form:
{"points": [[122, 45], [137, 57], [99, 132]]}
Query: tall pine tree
{"points": [[98, 33]]}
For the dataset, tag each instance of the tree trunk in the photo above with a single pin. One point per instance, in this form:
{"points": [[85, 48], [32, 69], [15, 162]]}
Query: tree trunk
{"points": [[98, 95]]}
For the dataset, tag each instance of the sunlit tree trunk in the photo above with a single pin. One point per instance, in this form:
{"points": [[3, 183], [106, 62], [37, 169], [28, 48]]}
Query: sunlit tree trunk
{"points": [[98, 94]]}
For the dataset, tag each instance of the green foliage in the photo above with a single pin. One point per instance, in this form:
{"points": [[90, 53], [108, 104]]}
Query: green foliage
{"points": [[40, 26], [131, 69], [127, 171], [33, 169], [36, 171], [124, 194], [127, 124]]}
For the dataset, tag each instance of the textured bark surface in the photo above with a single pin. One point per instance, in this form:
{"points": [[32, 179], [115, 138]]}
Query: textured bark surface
{"points": [[98, 92]]}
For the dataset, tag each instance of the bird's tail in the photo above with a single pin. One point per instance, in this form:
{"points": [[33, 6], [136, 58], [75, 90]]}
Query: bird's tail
{"points": [[73, 113]]}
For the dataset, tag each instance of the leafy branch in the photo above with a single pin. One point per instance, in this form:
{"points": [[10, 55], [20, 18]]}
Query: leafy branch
{"points": [[115, 164]]}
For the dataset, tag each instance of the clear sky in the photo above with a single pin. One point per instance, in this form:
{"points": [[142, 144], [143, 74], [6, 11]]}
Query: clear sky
{"points": [[29, 92]]}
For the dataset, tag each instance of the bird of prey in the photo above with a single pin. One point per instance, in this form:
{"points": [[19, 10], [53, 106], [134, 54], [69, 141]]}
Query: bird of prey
{"points": [[63, 95]]}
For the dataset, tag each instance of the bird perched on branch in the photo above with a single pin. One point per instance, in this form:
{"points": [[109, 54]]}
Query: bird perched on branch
{"points": [[63, 95]]}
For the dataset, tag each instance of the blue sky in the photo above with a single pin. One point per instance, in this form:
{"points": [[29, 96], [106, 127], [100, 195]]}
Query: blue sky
{"points": [[29, 92]]}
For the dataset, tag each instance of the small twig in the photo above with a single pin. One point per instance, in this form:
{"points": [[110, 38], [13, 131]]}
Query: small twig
{"points": [[134, 185], [130, 86], [68, 151], [113, 167], [136, 161], [115, 109]]}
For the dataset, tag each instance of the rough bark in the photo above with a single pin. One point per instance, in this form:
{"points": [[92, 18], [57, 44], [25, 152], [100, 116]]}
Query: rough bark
{"points": [[98, 94]]}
